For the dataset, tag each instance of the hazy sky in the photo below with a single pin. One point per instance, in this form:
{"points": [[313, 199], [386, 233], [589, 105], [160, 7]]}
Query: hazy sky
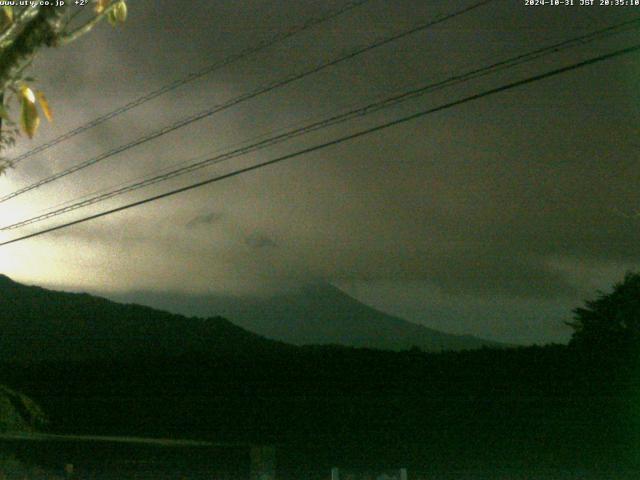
{"points": [[494, 218]]}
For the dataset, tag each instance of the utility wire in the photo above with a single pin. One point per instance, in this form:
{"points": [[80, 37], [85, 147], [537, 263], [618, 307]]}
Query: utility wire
{"points": [[249, 141], [192, 77], [336, 119], [242, 98], [383, 126]]}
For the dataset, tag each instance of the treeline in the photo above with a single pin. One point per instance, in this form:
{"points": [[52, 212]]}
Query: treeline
{"points": [[554, 403]]}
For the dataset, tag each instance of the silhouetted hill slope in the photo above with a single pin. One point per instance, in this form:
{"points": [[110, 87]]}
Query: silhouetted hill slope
{"points": [[172, 377], [38, 324], [314, 314]]}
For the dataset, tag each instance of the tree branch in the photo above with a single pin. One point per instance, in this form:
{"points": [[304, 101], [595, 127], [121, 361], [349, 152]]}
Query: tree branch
{"points": [[69, 37], [42, 30], [23, 17]]}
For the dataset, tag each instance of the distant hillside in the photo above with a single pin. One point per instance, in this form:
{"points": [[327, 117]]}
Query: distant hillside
{"points": [[314, 314], [38, 324]]}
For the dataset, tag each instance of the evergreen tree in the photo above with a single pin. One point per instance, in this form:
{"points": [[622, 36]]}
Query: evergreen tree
{"points": [[611, 321]]}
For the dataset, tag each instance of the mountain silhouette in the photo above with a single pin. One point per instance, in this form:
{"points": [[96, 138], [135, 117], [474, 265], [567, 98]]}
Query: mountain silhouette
{"points": [[43, 325], [314, 314], [39, 324], [130, 370]]}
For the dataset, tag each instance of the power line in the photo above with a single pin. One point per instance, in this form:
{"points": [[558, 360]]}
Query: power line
{"points": [[242, 98], [340, 140], [336, 119], [192, 77], [145, 176]]}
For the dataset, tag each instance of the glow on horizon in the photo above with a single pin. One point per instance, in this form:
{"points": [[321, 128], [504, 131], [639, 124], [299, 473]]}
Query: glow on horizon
{"points": [[48, 262]]}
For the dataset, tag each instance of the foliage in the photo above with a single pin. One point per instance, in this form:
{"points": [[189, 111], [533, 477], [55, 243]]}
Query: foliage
{"points": [[25, 30], [18, 412], [14, 468], [9, 465], [611, 321]]}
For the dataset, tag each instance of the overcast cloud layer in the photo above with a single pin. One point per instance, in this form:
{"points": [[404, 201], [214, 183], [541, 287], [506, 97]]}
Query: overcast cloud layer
{"points": [[494, 218]]}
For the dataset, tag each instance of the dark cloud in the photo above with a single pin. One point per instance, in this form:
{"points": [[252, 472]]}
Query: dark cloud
{"points": [[205, 219], [509, 204], [260, 240]]}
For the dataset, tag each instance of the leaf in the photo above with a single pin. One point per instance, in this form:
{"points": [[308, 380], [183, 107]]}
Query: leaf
{"points": [[101, 5], [29, 119], [111, 17], [27, 94], [44, 104], [120, 11], [8, 13]]}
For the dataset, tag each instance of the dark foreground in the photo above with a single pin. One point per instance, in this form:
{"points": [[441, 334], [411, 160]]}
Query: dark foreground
{"points": [[540, 412], [116, 460]]}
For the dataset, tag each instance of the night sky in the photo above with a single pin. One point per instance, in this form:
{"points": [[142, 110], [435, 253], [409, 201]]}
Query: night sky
{"points": [[494, 218]]}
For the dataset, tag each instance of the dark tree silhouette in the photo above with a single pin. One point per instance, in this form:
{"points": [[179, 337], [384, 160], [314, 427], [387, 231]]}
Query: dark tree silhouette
{"points": [[612, 321]]}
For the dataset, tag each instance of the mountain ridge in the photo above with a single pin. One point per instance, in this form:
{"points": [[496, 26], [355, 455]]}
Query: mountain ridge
{"points": [[317, 313], [39, 324], [43, 324]]}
